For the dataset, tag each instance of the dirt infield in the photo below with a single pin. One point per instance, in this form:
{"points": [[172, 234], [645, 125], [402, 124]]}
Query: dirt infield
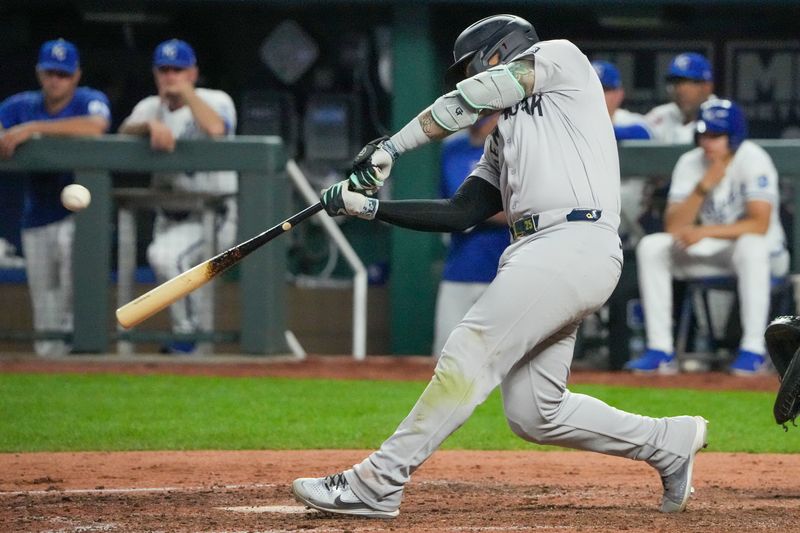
{"points": [[226, 491]]}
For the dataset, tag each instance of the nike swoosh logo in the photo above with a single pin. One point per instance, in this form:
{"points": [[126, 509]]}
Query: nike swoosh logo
{"points": [[348, 505]]}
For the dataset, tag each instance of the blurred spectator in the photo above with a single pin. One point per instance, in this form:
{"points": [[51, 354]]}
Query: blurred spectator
{"points": [[690, 82], [59, 108], [731, 185], [472, 256], [183, 111], [627, 125]]}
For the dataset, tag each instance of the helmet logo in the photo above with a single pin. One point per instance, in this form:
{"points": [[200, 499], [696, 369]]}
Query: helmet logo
{"points": [[711, 114]]}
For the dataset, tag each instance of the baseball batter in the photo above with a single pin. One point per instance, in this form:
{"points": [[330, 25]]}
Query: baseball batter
{"points": [[731, 185], [59, 108], [552, 168], [182, 111]]}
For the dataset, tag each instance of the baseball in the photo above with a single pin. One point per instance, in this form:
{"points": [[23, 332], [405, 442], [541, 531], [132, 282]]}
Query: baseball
{"points": [[75, 197]]}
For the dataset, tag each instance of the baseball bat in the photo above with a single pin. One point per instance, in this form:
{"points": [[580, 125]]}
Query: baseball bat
{"points": [[153, 301]]}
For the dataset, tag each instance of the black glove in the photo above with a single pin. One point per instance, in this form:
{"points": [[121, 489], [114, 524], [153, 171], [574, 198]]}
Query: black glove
{"points": [[373, 164], [783, 345]]}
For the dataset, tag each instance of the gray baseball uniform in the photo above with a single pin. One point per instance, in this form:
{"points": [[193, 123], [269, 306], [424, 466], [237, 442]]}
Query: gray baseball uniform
{"points": [[554, 160]]}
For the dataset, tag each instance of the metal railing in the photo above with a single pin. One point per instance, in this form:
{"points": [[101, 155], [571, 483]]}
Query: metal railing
{"points": [[359, 271]]}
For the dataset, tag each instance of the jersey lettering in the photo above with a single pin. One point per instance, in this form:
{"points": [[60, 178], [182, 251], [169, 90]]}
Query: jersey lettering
{"points": [[529, 105]]}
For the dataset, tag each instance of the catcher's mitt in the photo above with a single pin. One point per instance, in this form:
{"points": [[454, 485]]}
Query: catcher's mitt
{"points": [[783, 345]]}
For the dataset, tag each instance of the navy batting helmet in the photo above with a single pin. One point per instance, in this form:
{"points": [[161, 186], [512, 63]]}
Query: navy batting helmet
{"points": [[501, 35], [722, 117]]}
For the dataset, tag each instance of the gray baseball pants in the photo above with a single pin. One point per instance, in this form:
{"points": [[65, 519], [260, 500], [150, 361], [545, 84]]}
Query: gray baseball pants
{"points": [[520, 335]]}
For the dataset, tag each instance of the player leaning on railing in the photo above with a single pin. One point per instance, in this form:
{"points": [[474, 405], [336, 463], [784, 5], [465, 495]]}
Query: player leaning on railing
{"points": [[551, 166]]}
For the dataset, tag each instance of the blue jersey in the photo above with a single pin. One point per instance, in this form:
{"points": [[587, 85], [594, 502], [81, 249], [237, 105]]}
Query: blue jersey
{"points": [[42, 199], [472, 256]]}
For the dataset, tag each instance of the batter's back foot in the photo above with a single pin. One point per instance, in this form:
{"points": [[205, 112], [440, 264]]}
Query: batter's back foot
{"points": [[332, 494], [678, 485]]}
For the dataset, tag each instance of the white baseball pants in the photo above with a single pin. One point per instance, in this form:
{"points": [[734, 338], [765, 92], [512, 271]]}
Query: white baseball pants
{"points": [[48, 266], [520, 335], [178, 246], [748, 258]]}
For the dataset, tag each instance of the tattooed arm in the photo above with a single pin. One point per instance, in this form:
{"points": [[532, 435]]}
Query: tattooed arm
{"points": [[522, 71], [503, 87]]}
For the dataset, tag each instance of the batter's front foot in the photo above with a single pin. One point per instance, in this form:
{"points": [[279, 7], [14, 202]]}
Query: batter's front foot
{"points": [[678, 485], [332, 494]]}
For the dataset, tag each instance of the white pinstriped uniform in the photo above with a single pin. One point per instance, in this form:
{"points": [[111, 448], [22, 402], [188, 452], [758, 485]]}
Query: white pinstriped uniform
{"points": [[554, 152]]}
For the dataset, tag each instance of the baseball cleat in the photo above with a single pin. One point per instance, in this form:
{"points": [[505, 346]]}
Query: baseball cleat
{"points": [[332, 494], [678, 485], [748, 364], [653, 361]]}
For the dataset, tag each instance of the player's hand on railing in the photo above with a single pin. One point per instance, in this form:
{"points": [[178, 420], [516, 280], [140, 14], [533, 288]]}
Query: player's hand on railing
{"points": [[161, 137], [340, 200], [13, 137], [373, 164]]}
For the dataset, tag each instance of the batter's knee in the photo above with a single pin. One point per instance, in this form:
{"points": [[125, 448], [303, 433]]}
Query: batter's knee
{"points": [[536, 421], [654, 247]]}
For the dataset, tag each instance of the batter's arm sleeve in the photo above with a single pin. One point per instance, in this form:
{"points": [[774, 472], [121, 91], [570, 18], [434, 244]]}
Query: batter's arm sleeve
{"points": [[475, 201]]}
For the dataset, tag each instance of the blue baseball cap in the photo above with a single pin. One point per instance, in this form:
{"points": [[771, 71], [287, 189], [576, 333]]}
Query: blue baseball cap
{"points": [[690, 66], [608, 74], [58, 55], [174, 53]]}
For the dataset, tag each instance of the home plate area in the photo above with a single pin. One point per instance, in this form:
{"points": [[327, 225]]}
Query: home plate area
{"points": [[280, 509]]}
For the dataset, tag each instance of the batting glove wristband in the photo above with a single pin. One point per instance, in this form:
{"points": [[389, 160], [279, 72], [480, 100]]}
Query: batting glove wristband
{"points": [[373, 164], [340, 200]]}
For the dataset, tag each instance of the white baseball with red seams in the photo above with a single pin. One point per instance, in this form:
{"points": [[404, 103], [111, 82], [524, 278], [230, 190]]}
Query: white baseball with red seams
{"points": [[75, 197]]}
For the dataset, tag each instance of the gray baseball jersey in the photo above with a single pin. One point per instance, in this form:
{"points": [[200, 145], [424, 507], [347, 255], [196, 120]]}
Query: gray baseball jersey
{"points": [[564, 158], [553, 156]]}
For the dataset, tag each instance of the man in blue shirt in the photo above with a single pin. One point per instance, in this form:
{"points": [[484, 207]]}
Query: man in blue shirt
{"points": [[472, 256], [59, 108]]}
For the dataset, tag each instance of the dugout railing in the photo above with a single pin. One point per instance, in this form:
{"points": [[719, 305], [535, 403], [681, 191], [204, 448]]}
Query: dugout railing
{"points": [[264, 197], [647, 158], [264, 188]]}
